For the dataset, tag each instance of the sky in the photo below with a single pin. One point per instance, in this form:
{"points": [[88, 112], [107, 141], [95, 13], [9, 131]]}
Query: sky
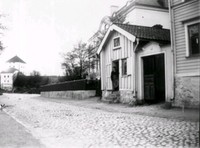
{"points": [[38, 31]]}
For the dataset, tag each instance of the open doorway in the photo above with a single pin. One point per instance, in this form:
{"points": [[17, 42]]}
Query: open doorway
{"points": [[154, 78], [115, 75]]}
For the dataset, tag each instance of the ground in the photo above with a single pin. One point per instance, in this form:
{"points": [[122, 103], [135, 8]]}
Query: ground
{"points": [[15, 135], [71, 123]]}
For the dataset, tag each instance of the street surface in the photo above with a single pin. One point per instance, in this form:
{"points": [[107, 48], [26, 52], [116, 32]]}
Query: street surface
{"points": [[61, 125], [14, 135]]}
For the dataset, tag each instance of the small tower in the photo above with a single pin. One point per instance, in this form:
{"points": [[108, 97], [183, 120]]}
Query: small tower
{"points": [[17, 63]]}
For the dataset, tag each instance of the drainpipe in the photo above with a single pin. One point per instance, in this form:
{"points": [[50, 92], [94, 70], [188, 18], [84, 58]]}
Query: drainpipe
{"points": [[172, 35], [134, 51]]}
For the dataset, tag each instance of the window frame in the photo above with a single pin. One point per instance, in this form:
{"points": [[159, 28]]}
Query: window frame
{"points": [[187, 40], [119, 46], [124, 74]]}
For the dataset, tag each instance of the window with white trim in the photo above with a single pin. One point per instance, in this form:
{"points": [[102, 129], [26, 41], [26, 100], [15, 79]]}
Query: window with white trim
{"points": [[192, 39], [116, 42], [124, 67]]}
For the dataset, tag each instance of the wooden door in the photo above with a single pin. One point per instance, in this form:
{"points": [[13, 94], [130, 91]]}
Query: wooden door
{"points": [[115, 82], [149, 78], [154, 78]]}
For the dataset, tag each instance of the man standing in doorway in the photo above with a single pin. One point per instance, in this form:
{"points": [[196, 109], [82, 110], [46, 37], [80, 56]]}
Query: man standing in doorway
{"points": [[115, 79]]}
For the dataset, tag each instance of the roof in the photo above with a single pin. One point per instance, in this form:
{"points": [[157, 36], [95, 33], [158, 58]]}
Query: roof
{"points": [[149, 33], [141, 32], [155, 3], [16, 59], [163, 4], [10, 70]]}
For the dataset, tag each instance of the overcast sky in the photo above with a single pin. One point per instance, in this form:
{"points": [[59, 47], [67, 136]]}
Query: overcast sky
{"points": [[39, 30]]}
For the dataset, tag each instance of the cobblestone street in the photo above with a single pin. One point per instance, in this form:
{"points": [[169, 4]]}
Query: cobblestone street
{"points": [[65, 125]]}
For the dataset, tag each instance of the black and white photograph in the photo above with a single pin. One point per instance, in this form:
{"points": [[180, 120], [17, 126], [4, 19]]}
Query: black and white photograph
{"points": [[99, 73]]}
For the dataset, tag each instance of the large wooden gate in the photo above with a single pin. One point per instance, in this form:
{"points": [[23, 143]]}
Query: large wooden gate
{"points": [[154, 78]]}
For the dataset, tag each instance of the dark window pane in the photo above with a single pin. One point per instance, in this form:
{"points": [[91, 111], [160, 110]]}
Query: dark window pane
{"points": [[116, 42], [124, 67], [193, 32]]}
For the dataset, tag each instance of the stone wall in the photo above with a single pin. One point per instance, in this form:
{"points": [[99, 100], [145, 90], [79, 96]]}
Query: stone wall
{"points": [[69, 94], [187, 91]]}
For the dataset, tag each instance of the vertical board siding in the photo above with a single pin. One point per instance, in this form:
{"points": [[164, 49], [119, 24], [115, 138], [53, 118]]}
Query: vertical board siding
{"points": [[181, 13], [126, 50], [102, 69]]}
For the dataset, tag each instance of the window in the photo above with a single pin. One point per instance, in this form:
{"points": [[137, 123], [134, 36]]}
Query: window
{"points": [[116, 42], [124, 67], [193, 38], [192, 30]]}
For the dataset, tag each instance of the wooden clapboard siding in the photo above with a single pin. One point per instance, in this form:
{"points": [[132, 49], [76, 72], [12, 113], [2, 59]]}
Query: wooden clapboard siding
{"points": [[110, 54], [180, 2], [184, 11]]}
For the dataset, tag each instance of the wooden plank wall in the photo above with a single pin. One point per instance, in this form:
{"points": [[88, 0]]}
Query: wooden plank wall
{"points": [[183, 12], [110, 54]]}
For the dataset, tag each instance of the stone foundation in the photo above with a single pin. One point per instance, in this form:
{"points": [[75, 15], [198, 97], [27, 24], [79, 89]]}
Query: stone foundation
{"points": [[187, 91], [69, 94], [126, 96]]}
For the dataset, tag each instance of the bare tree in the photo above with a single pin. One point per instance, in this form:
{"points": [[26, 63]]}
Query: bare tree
{"points": [[76, 62]]}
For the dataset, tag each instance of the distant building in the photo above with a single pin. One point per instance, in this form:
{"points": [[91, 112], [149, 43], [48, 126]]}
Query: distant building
{"points": [[17, 63], [8, 76]]}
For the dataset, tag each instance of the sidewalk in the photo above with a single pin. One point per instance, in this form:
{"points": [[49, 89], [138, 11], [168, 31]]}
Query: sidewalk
{"points": [[155, 110], [14, 135]]}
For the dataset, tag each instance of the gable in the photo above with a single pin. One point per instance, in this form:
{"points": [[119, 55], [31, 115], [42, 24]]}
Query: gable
{"points": [[111, 30], [16, 59]]}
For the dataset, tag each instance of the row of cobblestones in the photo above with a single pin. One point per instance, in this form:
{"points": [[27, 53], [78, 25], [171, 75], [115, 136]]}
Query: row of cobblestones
{"points": [[62, 125]]}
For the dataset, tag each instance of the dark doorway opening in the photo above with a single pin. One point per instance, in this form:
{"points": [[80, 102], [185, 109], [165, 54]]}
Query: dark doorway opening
{"points": [[115, 75], [154, 78]]}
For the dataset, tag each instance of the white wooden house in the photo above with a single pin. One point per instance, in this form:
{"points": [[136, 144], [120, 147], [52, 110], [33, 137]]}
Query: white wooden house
{"points": [[134, 12], [144, 61]]}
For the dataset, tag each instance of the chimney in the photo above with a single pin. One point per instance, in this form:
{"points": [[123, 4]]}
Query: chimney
{"points": [[158, 26], [113, 9]]}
